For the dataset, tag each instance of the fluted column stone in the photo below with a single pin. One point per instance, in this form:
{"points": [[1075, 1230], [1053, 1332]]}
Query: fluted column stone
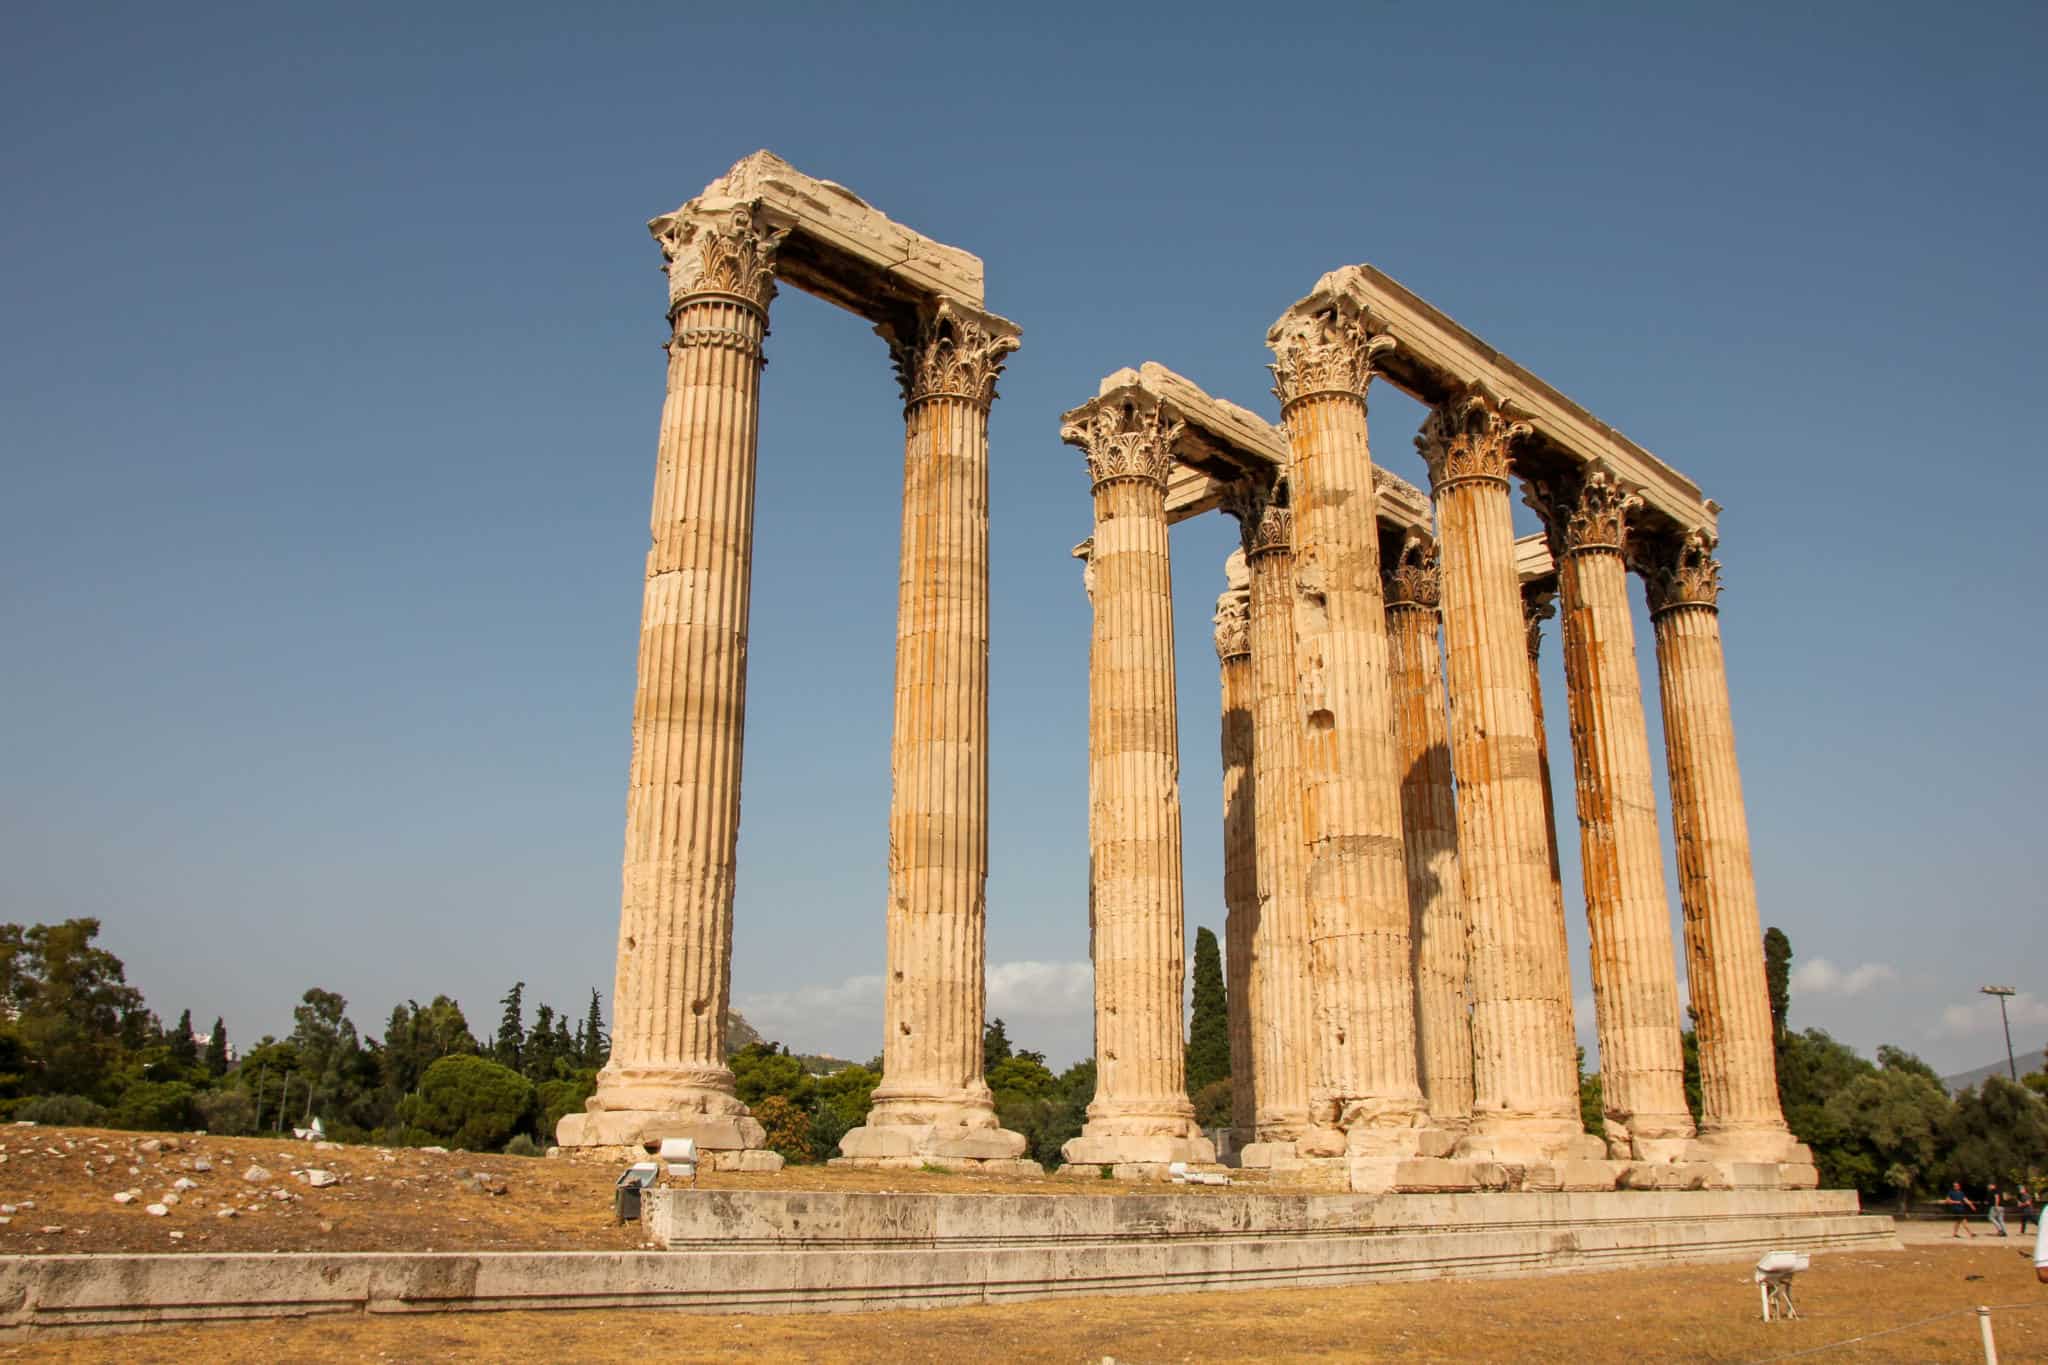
{"points": [[1140, 1115], [1525, 1082], [1635, 972], [1429, 824], [667, 1075], [1366, 1100], [1740, 1119], [1539, 604], [933, 1103], [1282, 1035], [1240, 843]]}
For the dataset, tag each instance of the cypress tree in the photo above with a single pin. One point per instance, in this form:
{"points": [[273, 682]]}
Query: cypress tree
{"points": [[512, 1027], [1778, 973], [597, 1048], [1208, 1054], [217, 1050], [184, 1047]]}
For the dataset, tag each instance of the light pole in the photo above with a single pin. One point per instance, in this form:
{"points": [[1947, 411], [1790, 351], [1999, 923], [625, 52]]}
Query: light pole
{"points": [[2002, 992]]}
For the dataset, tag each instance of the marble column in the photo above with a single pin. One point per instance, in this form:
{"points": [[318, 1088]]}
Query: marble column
{"points": [[1635, 970], [1366, 1099], [1240, 843], [1525, 1082], [933, 1103], [667, 1075], [1539, 604], [1281, 1033], [1140, 1115], [1740, 1118], [1429, 824]]}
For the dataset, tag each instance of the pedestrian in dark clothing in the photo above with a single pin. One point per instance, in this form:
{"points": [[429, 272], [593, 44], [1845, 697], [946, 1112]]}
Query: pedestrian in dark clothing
{"points": [[1960, 1202]]}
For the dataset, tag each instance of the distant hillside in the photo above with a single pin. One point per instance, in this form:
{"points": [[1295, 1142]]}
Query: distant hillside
{"points": [[738, 1032], [1963, 1080]]}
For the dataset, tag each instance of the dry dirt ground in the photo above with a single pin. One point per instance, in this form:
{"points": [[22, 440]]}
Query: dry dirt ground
{"points": [[61, 1184], [1692, 1313], [397, 1199]]}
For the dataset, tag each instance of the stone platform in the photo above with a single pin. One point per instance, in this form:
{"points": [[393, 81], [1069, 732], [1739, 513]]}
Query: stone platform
{"points": [[796, 1252]]}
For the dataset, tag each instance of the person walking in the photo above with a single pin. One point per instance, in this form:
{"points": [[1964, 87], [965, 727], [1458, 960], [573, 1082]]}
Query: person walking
{"points": [[2023, 1204], [1994, 1210], [1960, 1202]]}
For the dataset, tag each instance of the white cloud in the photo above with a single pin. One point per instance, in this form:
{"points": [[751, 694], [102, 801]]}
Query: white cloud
{"points": [[1029, 989], [1818, 976], [1979, 1018]]}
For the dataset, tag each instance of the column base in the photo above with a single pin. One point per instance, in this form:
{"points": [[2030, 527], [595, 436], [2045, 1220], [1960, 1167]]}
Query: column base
{"points": [[894, 1145], [1653, 1137], [1529, 1141], [1760, 1143], [644, 1130]]}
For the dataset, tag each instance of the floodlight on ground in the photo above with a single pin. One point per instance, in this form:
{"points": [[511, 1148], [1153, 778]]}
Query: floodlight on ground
{"points": [[1774, 1282], [680, 1156], [626, 1194]]}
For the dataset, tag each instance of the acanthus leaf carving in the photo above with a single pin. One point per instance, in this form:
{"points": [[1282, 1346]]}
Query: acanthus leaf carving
{"points": [[1416, 578], [956, 352], [1333, 349], [1685, 573], [726, 252], [1468, 436], [1539, 604], [1124, 441], [1233, 621]]}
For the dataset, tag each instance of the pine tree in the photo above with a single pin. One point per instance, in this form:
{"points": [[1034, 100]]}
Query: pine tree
{"points": [[540, 1046], [217, 1050], [512, 1027], [184, 1047], [597, 1048], [1208, 1054]]}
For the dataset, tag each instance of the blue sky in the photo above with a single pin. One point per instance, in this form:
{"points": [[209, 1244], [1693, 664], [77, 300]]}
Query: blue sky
{"points": [[331, 370]]}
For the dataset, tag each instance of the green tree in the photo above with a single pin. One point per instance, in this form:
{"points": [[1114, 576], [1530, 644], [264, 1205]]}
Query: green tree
{"points": [[995, 1045], [557, 1098], [217, 1050], [763, 1069], [1997, 1131], [540, 1059], [591, 1039], [1888, 1127], [470, 1102], [339, 1075], [1021, 1076], [184, 1047], [842, 1101], [1208, 1052], [1689, 1048], [69, 1005], [1778, 975], [511, 1044], [1592, 1099]]}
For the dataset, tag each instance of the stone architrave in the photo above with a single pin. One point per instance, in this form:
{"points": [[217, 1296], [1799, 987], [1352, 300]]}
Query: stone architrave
{"points": [[1525, 1081], [1635, 972], [1429, 823], [1282, 1036], [1740, 1119], [1366, 1101], [933, 1104], [1140, 1116], [667, 1075], [1539, 604], [1240, 844]]}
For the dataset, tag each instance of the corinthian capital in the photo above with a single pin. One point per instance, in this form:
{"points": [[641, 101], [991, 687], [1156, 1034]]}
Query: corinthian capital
{"points": [[1584, 514], [1415, 580], [1330, 350], [1124, 441], [1467, 436], [1234, 611], [724, 252], [1539, 604], [1683, 573], [957, 352]]}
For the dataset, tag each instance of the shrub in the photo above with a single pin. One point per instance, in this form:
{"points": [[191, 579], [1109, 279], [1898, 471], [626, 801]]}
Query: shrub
{"points": [[154, 1105], [225, 1113], [556, 1099], [522, 1145], [470, 1102], [73, 1111], [789, 1128]]}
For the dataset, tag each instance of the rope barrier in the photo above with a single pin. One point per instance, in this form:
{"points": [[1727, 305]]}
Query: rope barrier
{"points": [[1892, 1331]]}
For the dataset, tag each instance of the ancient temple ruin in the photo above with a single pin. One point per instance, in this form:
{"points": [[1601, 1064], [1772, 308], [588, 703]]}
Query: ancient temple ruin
{"points": [[1400, 981]]}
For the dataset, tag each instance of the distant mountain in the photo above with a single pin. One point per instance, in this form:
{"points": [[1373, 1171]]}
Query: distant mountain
{"points": [[1963, 1080], [738, 1032]]}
